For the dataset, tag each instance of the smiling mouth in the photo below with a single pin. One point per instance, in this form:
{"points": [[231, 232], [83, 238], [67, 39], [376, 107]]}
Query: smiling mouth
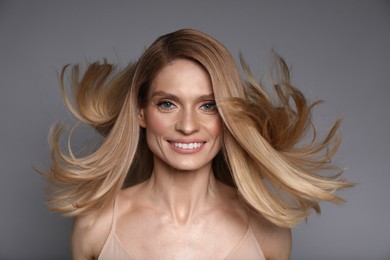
{"points": [[187, 145]]}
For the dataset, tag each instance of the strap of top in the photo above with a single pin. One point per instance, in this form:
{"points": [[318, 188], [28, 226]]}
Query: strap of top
{"points": [[114, 215], [113, 248], [113, 221], [254, 239], [243, 238]]}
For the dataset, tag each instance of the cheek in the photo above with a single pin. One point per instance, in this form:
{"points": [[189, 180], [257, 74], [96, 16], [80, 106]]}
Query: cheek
{"points": [[215, 127], [156, 124]]}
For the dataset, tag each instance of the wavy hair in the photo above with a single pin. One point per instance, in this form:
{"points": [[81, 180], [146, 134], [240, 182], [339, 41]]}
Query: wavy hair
{"points": [[263, 154]]}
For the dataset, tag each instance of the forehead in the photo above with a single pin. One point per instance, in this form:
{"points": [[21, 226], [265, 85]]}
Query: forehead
{"points": [[182, 75]]}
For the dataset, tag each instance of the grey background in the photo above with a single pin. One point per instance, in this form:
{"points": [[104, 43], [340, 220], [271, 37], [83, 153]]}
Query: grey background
{"points": [[339, 52]]}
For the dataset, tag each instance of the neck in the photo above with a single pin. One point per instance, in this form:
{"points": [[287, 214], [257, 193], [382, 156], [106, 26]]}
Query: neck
{"points": [[182, 194]]}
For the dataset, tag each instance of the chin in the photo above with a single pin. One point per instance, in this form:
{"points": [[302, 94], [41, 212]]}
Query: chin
{"points": [[188, 166]]}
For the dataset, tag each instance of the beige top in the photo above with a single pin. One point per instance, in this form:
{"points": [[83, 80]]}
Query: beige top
{"points": [[247, 248]]}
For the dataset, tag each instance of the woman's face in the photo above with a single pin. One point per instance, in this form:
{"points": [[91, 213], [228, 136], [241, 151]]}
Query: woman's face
{"points": [[183, 127]]}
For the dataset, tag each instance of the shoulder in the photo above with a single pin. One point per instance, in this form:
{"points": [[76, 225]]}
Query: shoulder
{"points": [[275, 241], [90, 232]]}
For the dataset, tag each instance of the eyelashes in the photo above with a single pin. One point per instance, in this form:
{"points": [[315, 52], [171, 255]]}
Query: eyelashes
{"points": [[167, 106], [209, 106]]}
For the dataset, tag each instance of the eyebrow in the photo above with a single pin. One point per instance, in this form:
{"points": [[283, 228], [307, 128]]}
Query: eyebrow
{"points": [[176, 98]]}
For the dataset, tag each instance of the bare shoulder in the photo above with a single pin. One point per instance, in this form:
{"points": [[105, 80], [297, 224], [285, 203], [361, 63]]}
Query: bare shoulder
{"points": [[90, 232], [275, 241]]}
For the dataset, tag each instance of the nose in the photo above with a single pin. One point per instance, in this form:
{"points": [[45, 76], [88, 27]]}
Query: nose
{"points": [[187, 122]]}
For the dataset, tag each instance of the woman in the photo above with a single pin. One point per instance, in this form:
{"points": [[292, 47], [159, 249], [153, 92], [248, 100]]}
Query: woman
{"points": [[195, 163]]}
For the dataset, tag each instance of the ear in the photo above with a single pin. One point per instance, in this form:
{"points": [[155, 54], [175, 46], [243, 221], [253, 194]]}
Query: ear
{"points": [[141, 118]]}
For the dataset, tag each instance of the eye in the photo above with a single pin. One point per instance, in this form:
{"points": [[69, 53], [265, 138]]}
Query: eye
{"points": [[209, 107], [165, 105]]}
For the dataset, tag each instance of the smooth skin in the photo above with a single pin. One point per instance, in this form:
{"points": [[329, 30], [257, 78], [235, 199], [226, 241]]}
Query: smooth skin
{"points": [[182, 211]]}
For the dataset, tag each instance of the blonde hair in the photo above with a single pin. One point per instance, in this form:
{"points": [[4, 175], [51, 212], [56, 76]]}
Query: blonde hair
{"points": [[275, 174]]}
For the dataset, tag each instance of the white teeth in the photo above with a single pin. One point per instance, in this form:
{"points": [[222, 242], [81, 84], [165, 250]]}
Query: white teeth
{"points": [[187, 145]]}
